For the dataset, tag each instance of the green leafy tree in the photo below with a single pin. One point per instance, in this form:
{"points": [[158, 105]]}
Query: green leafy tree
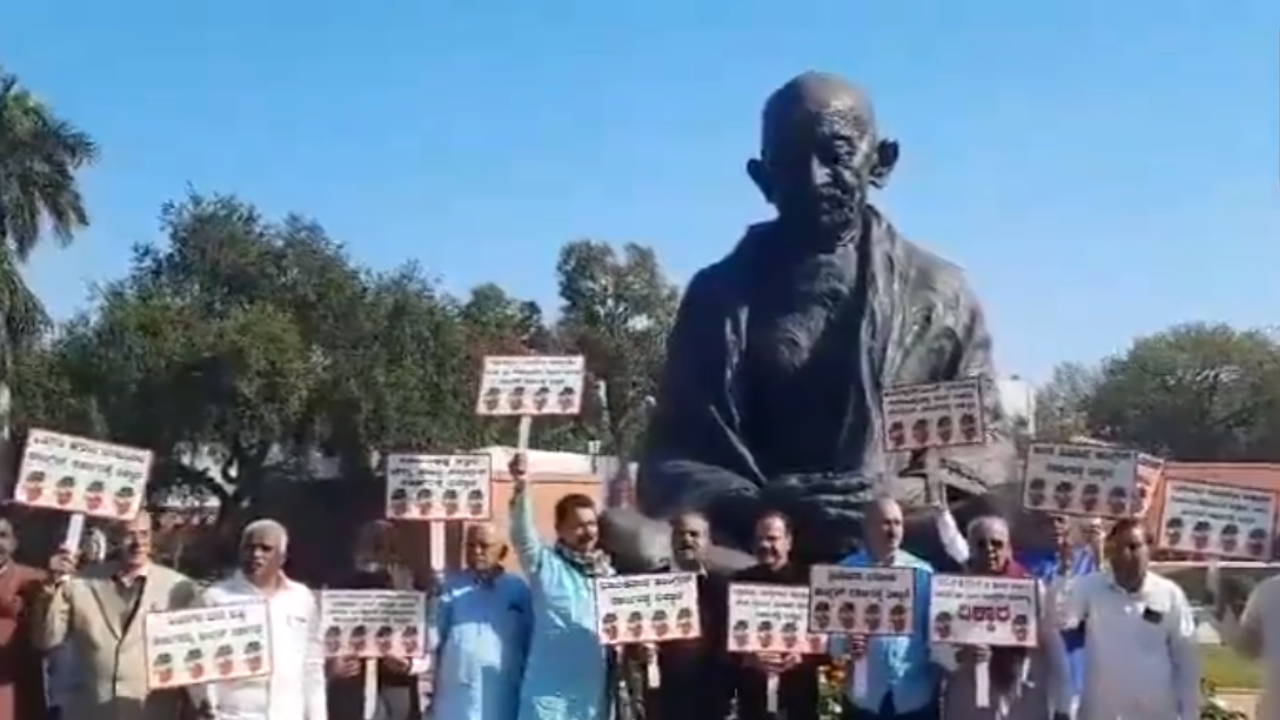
{"points": [[1062, 404], [617, 311], [1194, 392]]}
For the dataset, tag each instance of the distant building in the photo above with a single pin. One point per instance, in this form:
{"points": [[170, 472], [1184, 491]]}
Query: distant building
{"points": [[1018, 398]]}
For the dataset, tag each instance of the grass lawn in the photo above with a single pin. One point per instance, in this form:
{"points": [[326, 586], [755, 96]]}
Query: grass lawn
{"points": [[1225, 669]]}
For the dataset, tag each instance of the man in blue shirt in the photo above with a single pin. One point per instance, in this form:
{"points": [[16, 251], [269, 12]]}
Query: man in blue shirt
{"points": [[902, 681]]}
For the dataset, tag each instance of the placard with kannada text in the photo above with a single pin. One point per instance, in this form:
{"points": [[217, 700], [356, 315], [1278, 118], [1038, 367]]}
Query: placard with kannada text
{"points": [[439, 487], [861, 601], [78, 475], [981, 610], [651, 608], [200, 645], [1081, 480], [531, 385], [771, 618], [934, 415], [1211, 519], [373, 623]]}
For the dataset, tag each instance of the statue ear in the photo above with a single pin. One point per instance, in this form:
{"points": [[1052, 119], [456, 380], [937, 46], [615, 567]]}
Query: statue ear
{"points": [[760, 176], [886, 159]]}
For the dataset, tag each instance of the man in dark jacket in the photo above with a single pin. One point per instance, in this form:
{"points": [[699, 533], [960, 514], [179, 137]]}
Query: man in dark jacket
{"points": [[797, 675], [376, 568], [696, 682]]}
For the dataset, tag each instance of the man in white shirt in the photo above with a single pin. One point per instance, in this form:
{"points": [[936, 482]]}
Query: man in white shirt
{"points": [[295, 690], [1140, 645], [1256, 636]]}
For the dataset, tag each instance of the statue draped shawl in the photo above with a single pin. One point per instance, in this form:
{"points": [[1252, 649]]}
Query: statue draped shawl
{"points": [[921, 323]]}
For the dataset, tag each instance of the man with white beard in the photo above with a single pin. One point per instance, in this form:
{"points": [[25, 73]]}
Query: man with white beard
{"points": [[295, 689]]}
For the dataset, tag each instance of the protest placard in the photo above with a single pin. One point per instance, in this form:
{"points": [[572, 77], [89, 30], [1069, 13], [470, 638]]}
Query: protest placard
{"points": [[373, 623], [647, 608], [529, 385], [1081, 480], [936, 415], [439, 487], [189, 647], [771, 618], [78, 475], [861, 601], [983, 610], [1219, 520]]}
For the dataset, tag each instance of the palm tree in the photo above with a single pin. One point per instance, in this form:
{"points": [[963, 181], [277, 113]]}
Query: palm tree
{"points": [[40, 154]]}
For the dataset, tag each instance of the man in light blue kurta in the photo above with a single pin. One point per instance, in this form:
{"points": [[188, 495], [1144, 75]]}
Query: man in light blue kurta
{"points": [[902, 681], [484, 621], [566, 674]]}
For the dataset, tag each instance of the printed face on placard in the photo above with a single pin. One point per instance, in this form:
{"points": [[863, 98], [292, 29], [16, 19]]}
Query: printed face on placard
{"points": [[764, 631], [846, 616], [385, 640], [399, 502], [359, 639], [741, 634], [1036, 492], [162, 668], [426, 501], [898, 618], [1229, 538], [1090, 497], [1201, 535], [1021, 627], [409, 641], [1118, 501], [33, 486], [969, 427], [1257, 544], [945, 430], [942, 625], [516, 398], [684, 622], [224, 660], [790, 635], [95, 495], [492, 399], [333, 640], [635, 625], [661, 624], [1062, 495], [475, 503], [822, 615], [567, 398], [609, 624], [897, 435], [541, 398], [920, 432], [1173, 531], [64, 491], [872, 617], [253, 655], [450, 500]]}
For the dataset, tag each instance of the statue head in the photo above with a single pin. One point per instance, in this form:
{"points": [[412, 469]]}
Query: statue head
{"points": [[820, 154]]}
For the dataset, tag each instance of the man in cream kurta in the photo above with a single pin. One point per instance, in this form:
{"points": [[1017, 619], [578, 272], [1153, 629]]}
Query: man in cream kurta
{"points": [[98, 614], [295, 689]]}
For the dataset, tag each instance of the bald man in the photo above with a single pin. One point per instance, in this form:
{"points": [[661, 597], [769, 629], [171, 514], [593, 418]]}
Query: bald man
{"points": [[484, 622], [901, 682]]}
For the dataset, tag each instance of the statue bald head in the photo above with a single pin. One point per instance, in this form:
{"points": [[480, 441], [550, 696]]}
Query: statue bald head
{"points": [[820, 152]]}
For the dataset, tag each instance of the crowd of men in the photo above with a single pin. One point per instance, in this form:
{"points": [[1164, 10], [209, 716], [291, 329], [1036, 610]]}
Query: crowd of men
{"points": [[1116, 640]]}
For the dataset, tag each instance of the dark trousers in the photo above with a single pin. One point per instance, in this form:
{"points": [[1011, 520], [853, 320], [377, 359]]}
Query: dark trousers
{"points": [[346, 702], [889, 712]]}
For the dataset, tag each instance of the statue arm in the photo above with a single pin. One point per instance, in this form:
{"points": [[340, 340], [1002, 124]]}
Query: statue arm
{"points": [[694, 457]]}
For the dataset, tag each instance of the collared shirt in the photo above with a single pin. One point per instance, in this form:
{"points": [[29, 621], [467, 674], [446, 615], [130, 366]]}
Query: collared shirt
{"points": [[295, 690], [1141, 650], [897, 664], [484, 630]]}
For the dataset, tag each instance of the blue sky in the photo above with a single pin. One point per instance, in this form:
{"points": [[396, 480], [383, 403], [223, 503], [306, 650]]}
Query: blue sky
{"points": [[1101, 169]]}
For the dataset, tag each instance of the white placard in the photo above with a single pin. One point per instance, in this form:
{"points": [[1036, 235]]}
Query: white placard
{"points": [[936, 415], [531, 385], [1081, 480], [771, 618], [78, 475], [981, 610], [1220, 520], [439, 487], [373, 623], [861, 601], [647, 608], [191, 647]]}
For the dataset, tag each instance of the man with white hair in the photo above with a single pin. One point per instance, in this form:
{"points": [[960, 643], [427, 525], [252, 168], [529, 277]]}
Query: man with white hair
{"points": [[295, 689]]}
